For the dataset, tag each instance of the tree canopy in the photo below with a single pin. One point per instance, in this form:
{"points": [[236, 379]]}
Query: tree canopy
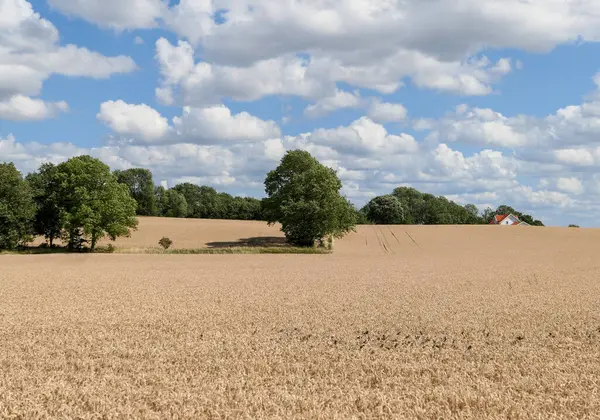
{"points": [[49, 214], [385, 210], [141, 187], [17, 208], [304, 196], [428, 209], [93, 203]]}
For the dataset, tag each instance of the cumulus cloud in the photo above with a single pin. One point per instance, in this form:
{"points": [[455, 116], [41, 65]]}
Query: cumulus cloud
{"points": [[30, 53], [24, 108], [114, 14], [571, 185], [362, 137], [387, 112], [206, 84], [133, 120], [339, 100], [217, 125], [214, 125], [243, 31], [570, 131]]}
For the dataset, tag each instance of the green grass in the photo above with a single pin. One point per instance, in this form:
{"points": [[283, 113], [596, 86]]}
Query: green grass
{"points": [[227, 250], [184, 251]]}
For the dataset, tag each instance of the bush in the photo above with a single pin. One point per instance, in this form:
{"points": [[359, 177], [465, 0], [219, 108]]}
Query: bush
{"points": [[573, 226], [165, 242]]}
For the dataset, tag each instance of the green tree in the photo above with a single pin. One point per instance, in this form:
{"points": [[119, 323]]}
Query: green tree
{"points": [[160, 200], [472, 210], [141, 187], [174, 204], [17, 208], [201, 200], [48, 219], [93, 202], [385, 210], [488, 215], [304, 196]]}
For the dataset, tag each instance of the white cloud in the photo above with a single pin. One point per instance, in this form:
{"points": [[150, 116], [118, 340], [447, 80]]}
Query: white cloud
{"points": [[193, 19], [24, 108], [214, 125], [316, 77], [476, 126], [138, 40], [577, 157], [205, 84], [114, 14], [133, 120], [30, 53], [339, 100], [570, 185], [362, 137], [387, 112]]}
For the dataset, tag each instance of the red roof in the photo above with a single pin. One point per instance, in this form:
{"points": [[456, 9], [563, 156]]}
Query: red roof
{"points": [[499, 218]]}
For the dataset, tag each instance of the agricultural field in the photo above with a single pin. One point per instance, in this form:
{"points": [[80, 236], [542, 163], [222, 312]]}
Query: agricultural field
{"points": [[415, 322]]}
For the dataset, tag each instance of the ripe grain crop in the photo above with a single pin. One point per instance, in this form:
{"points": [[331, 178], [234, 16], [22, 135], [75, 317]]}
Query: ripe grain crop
{"points": [[412, 322]]}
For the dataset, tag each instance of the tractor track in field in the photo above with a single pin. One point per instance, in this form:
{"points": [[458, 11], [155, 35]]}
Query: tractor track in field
{"points": [[381, 240], [413, 239]]}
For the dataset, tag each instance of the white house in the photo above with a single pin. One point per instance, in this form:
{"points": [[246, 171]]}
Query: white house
{"points": [[507, 220]]}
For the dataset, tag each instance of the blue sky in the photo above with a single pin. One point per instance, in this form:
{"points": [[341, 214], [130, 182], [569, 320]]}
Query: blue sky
{"points": [[489, 106]]}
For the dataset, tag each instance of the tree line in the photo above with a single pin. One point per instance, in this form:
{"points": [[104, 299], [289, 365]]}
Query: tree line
{"points": [[78, 201], [406, 205], [185, 200], [81, 201]]}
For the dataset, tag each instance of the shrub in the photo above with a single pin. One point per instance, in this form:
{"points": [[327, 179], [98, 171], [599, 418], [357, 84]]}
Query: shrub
{"points": [[573, 226], [165, 242]]}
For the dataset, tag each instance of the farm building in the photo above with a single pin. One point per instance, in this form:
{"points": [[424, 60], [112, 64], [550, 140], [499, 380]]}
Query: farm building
{"points": [[507, 220]]}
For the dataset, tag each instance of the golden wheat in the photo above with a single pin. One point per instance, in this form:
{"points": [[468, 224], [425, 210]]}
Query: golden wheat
{"points": [[399, 322]]}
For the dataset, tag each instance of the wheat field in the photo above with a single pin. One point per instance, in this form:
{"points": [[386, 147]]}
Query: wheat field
{"points": [[403, 322]]}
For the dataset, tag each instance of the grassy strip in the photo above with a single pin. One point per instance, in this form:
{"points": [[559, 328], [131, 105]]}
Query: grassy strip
{"points": [[184, 251], [228, 250]]}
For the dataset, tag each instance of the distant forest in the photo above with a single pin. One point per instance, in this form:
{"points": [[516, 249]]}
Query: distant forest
{"points": [[409, 206], [186, 200], [403, 206], [190, 200]]}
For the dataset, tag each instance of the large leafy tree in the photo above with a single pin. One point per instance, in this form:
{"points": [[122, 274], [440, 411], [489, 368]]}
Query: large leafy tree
{"points": [[94, 204], [385, 210], [17, 208], [304, 196], [141, 186], [49, 214]]}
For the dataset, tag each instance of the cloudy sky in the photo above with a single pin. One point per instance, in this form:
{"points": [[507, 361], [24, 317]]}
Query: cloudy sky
{"points": [[483, 101]]}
